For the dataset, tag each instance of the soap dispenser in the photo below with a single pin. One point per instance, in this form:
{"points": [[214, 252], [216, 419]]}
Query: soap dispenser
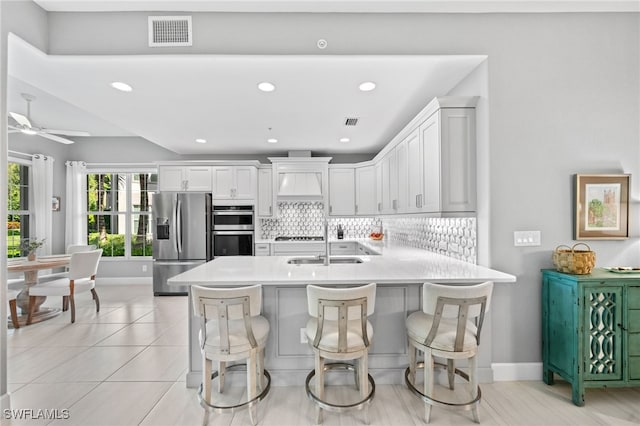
{"points": [[340, 232]]}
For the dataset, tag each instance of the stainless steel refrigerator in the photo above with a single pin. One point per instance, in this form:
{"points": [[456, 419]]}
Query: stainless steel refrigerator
{"points": [[181, 237]]}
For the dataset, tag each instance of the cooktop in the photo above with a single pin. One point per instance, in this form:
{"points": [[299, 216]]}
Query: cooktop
{"points": [[298, 238]]}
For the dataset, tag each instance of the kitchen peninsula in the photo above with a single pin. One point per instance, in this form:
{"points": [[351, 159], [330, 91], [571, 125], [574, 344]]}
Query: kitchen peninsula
{"points": [[399, 272]]}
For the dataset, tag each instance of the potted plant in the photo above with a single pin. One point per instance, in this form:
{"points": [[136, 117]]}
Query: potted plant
{"points": [[30, 245]]}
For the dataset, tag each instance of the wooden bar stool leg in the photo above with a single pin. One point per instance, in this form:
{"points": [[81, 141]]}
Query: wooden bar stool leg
{"points": [[428, 382], [473, 382], [363, 369], [222, 371], [451, 372], [319, 385], [252, 363]]}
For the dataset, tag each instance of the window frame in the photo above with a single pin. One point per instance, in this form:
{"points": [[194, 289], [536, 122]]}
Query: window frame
{"points": [[129, 212], [29, 211]]}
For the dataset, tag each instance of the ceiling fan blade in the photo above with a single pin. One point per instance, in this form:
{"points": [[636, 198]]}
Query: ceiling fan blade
{"points": [[21, 119], [14, 131], [66, 132], [55, 138]]}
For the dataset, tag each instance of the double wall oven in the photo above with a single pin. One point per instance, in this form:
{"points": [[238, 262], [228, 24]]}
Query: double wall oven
{"points": [[233, 230]]}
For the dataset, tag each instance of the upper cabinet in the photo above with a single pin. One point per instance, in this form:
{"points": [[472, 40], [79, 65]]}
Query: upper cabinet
{"points": [[265, 192], [366, 200], [184, 178], [234, 182], [449, 160], [342, 199]]}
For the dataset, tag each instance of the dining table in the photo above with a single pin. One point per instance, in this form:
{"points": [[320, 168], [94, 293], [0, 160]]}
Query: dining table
{"points": [[31, 268]]}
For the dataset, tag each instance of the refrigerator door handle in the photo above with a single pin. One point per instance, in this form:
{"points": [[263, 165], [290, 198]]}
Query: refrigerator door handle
{"points": [[179, 225]]}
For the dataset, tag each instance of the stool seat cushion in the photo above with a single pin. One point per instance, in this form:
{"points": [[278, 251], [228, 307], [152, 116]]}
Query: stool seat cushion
{"points": [[61, 287], [329, 341], [419, 326], [238, 341]]}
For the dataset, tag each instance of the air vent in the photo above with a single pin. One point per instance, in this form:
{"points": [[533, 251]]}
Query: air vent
{"points": [[170, 31], [350, 121]]}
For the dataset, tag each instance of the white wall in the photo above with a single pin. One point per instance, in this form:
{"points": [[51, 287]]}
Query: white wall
{"points": [[563, 95]]}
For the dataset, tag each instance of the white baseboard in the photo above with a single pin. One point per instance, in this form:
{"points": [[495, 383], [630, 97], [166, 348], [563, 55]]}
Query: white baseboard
{"points": [[509, 372], [124, 281]]}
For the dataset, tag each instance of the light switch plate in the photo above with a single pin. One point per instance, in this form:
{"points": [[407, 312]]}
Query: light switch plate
{"points": [[526, 238]]}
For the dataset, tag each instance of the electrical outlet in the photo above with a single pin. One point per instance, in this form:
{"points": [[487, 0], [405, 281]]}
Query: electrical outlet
{"points": [[526, 238], [303, 335], [144, 268]]}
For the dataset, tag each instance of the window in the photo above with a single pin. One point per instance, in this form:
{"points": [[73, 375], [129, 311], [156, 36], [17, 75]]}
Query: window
{"points": [[18, 214], [119, 213]]}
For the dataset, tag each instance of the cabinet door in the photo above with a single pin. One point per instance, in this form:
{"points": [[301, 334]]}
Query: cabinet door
{"points": [[222, 182], [402, 173], [379, 185], [602, 338], [366, 203], [414, 172], [393, 181], [458, 159], [342, 200], [389, 200], [265, 192], [171, 178], [343, 248], [430, 138], [244, 185], [633, 327], [198, 179]]}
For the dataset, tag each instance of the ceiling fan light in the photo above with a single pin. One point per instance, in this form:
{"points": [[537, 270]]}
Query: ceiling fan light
{"points": [[344, 140], [28, 131], [200, 140], [123, 87], [272, 140]]}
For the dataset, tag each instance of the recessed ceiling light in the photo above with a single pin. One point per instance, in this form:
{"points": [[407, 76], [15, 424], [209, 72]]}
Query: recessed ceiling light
{"points": [[272, 140], [265, 86], [367, 86], [199, 140], [123, 87], [344, 140]]}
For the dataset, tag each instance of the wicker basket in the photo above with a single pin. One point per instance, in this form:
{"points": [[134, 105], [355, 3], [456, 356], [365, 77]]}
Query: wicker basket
{"points": [[568, 259]]}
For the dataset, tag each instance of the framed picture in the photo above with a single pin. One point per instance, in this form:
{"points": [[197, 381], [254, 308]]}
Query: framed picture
{"points": [[55, 204], [601, 207]]}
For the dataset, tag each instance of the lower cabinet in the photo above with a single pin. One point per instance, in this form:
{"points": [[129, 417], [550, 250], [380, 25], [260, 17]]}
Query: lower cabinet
{"points": [[591, 329], [262, 249], [343, 248]]}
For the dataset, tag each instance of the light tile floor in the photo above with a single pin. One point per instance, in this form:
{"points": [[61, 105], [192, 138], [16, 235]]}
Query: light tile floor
{"points": [[126, 366]]}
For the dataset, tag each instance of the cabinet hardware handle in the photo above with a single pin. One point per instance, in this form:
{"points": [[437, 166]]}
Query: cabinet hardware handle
{"points": [[270, 210], [330, 209], [379, 208], [621, 327], [356, 209]]}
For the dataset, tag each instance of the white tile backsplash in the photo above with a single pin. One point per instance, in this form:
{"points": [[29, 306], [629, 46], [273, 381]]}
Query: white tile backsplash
{"points": [[453, 237]]}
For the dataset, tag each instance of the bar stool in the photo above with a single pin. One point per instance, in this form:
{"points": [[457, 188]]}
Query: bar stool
{"points": [[338, 330], [231, 329], [445, 329]]}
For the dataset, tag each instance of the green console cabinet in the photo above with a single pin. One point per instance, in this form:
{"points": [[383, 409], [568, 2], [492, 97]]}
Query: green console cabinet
{"points": [[591, 329]]}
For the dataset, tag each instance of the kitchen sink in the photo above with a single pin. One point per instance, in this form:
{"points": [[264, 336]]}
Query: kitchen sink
{"points": [[320, 261]]}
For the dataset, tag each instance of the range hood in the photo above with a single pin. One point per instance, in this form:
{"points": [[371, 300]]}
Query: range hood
{"points": [[300, 185], [300, 178]]}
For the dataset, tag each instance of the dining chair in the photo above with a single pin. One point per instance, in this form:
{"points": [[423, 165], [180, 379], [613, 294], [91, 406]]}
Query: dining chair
{"points": [[338, 329], [83, 267], [448, 327], [73, 248], [12, 297], [231, 329]]}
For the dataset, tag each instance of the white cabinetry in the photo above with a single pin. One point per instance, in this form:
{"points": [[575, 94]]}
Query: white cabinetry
{"points": [[289, 248], [265, 192], [184, 178], [389, 183], [343, 248], [262, 249], [366, 200], [414, 172], [402, 203], [449, 161], [342, 201], [234, 182]]}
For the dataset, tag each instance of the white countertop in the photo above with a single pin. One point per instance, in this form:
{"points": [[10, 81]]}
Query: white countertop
{"points": [[396, 264]]}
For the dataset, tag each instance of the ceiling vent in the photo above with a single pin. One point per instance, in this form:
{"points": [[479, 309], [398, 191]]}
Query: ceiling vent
{"points": [[167, 31], [350, 121]]}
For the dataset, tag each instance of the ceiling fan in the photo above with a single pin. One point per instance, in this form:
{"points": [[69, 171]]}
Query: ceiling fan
{"points": [[23, 125]]}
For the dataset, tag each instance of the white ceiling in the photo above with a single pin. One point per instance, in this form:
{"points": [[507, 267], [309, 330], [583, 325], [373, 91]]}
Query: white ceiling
{"points": [[178, 98]]}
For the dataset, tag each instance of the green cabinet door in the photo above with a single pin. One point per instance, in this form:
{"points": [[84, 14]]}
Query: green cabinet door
{"points": [[602, 323]]}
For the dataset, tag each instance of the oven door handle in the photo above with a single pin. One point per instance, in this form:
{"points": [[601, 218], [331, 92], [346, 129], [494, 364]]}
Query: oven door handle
{"points": [[232, 232], [233, 213]]}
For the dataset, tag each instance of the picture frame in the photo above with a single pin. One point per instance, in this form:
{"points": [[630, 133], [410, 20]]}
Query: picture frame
{"points": [[601, 207]]}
